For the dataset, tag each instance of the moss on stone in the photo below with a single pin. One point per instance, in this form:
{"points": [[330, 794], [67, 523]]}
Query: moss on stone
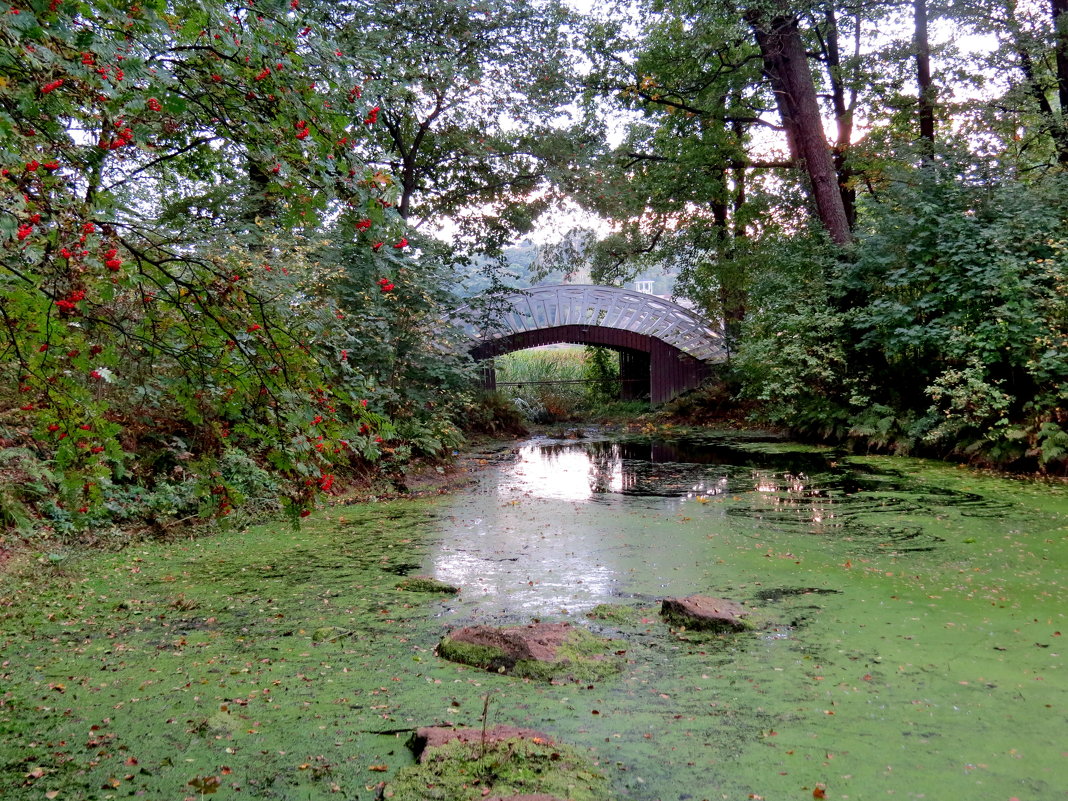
{"points": [[426, 584], [582, 657], [679, 620], [480, 656], [472, 771]]}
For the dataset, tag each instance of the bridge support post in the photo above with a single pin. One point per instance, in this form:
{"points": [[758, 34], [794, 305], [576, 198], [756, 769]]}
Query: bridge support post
{"points": [[672, 372], [488, 373]]}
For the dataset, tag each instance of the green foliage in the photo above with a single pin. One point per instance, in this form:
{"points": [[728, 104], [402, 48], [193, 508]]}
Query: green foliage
{"points": [[493, 414], [714, 403], [946, 332], [963, 315], [393, 346], [200, 259], [450, 80], [793, 357], [601, 372], [24, 482], [1051, 442]]}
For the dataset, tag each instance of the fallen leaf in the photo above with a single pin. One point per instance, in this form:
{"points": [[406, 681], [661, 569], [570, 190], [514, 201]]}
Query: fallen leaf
{"points": [[207, 785], [378, 768]]}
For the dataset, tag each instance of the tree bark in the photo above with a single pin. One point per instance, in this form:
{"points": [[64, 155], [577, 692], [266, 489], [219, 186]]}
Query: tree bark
{"points": [[923, 78], [843, 114], [786, 66], [1059, 9], [740, 198], [260, 204]]}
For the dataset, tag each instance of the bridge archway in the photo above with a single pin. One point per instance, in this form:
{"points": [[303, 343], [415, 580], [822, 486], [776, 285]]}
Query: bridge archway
{"points": [[665, 348]]}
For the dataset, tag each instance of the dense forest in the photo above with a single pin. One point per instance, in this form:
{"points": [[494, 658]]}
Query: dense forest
{"points": [[234, 233]]}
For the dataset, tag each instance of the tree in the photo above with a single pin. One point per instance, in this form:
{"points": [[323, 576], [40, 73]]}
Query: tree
{"points": [[1032, 57], [678, 187], [467, 102], [786, 67], [703, 80], [924, 85], [161, 168]]}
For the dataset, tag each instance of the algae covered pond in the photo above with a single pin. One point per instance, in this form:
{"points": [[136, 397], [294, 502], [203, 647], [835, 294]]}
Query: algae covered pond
{"points": [[909, 640]]}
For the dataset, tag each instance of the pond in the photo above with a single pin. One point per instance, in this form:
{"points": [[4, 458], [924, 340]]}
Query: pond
{"points": [[909, 640], [911, 614]]}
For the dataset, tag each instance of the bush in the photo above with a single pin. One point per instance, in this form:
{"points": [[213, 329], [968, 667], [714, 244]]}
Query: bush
{"points": [[494, 414], [25, 481], [946, 330], [960, 310]]}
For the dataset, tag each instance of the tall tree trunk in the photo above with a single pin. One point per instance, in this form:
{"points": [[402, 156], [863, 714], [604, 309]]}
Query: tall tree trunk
{"points": [[786, 65], [1056, 121], [731, 294], [1059, 9], [740, 186], [843, 114], [923, 78], [260, 204]]}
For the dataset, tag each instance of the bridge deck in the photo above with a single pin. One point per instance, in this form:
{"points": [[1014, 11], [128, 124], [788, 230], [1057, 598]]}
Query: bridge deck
{"points": [[607, 307]]}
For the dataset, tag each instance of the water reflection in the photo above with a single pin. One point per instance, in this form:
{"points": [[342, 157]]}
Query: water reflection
{"points": [[794, 497], [571, 524], [563, 472]]}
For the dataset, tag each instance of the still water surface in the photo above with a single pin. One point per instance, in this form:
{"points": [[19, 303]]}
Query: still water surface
{"points": [[911, 614]]}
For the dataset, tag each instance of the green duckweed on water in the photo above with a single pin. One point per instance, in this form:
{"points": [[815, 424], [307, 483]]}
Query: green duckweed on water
{"points": [[138, 673], [913, 646]]}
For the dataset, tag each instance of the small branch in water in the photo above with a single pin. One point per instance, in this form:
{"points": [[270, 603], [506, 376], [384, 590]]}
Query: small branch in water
{"points": [[406, 730], [485, 718]]}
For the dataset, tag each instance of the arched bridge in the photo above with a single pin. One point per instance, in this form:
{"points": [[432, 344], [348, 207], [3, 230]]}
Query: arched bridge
{"points": [[665, 349]]}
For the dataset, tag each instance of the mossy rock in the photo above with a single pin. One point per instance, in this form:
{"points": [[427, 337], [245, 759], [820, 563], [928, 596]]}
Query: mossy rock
{"points": [[704, 613], [426, 584], [471, 771], [552, 652], [616, 614]]}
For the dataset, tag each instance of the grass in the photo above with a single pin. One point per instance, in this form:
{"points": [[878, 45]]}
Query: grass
{"points": [[551, 401], [559, 402]]}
